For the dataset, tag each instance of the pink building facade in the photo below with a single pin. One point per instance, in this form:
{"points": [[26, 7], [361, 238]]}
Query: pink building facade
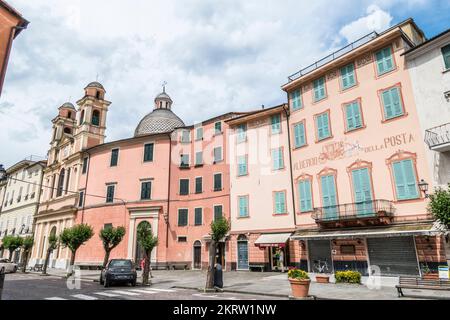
{"points": [[358, 158]]}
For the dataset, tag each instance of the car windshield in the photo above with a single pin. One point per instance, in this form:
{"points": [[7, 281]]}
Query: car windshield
{"points": [[120, 264]]}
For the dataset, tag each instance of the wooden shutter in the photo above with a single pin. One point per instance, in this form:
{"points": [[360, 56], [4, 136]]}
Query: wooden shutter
{"points": [[387, 104]]}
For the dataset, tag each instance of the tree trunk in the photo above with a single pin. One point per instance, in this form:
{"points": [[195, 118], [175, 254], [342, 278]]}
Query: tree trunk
{"points": [[210, 274], [72, 262], [10, 254], [106, 259], [47, 260], [24, 261], [150, 266], [145, 272]]}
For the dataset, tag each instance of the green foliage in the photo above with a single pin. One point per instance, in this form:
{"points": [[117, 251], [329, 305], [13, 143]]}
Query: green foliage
{"points": [[75, 236], [111, 237], [52, 242], [297, 274], [439, 205], [27, 243], [348, 276], [219, 229], [145, 237], [11, 243]]}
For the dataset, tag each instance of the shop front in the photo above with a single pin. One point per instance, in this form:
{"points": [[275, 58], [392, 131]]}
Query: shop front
{"points": [[276, 246]]}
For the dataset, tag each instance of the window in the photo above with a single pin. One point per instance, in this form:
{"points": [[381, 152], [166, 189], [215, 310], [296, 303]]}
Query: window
{"points": [[95, 118], [218, 212], [82, 117], [148, 152], [199, 158], [243, 206], [353, 116], [405, 180], [185, 136], [110, 193], [199, 133], [217, 154], [107, 226], [329, 197], [182, 217], [348, 76], [59, 191], [198, 216], [280, 202], [392, 103], [81, 199], [184, 187], [319, 89], [184, 161], [296, 97], [323, 126], [217, 182], [362, 189], [241, 132], [114, 157], [67, 182], [182, 239], [277, 159], [305, 197], [85, 165], [299, 135], [385, 61], [199, 185], [217, 128], [275, 122], [242, 165], [446, 55], [146, 190]]}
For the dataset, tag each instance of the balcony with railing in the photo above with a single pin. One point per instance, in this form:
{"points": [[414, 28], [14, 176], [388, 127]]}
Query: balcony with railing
{"points": [[366, 213], [335, 55], [438, 138]]}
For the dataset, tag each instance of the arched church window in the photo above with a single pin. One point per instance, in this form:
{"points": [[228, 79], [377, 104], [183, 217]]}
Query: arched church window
{"points": [[96, 118], [60, 183], [69, 114], [67, 130], [82, 117]]}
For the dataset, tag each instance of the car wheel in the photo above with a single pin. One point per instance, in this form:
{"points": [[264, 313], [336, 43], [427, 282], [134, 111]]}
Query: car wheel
{"points": [[133, 283], [14, 269]]}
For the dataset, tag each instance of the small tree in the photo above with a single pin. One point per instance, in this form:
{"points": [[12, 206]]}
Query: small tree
{"points": [[111, 237], [12, 243], [52, 245], [27, 244], [73, 238], [219, 229], [147, 241], [439, 205]]}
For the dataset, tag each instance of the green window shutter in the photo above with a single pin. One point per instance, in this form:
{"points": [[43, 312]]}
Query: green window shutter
{"points": [[145, 190], [305, 196], [385, 61], [410, 179], [446, 55], [357, 115], [396, 102], [114, 157], [325, 132], [198, 216], [400, 183], [218, 182], [243, 206], [348, 76], [242, 165], [148, 152], [320, 132], [184, 187], [299, 135], [296, 99], [280, 206], [182, 217], [350, 117], [277, 158], [110, 194], [319, 89], [328, 191], [276, 123], [217, 212], [198, 185], [387, 104], [388, 60]]}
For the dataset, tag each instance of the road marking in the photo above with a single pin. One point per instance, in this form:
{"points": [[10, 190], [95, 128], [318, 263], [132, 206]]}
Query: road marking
{"points": [[84, 297], [163, 290], [203, 295], [143, 291], [106, 294], [55, 298], [127, 293]]}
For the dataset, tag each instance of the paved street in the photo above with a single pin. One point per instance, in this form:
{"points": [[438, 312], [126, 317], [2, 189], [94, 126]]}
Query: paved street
{"points": [[20, 286]]}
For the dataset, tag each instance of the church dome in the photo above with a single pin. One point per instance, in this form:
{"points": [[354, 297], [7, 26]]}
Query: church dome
{"points": [[68, 105], [161, 119], [95, 84]]}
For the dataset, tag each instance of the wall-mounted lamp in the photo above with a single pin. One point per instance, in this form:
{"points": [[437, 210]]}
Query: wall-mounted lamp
{"points": [[423, 186], [166, 217]]}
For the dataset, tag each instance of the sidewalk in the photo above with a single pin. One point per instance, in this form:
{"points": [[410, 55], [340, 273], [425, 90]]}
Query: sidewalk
{"points": [[272, 284]]}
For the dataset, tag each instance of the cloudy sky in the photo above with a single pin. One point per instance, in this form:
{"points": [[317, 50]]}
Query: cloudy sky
{"points": [[216, 56]]}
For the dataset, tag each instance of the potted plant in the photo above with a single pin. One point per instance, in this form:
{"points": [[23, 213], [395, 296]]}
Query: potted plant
{"points": [[323, 278], [427, 274], [300, 281]]}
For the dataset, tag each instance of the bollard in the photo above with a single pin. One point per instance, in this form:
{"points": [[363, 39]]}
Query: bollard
{"points": [[2, 280]]}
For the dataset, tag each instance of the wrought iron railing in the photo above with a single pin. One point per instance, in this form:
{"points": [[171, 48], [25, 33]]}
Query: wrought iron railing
{"points": [[333, 56], [438, 135], [353, 211]]}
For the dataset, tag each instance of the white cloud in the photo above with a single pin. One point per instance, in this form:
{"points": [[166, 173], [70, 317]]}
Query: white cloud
{"points": [[375, 20]]}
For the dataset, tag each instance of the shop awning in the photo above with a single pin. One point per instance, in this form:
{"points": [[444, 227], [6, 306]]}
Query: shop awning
{"points": [[430, 229], [272, 240]]}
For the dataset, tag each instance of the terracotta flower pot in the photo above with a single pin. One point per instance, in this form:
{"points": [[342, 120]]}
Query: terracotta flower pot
{"points": [[430, 276], [322, 278], [300, 288]]}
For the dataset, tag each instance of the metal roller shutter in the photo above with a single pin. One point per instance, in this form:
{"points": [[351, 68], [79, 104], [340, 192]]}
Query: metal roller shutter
{"points": [[394, 256], [320, 250]]}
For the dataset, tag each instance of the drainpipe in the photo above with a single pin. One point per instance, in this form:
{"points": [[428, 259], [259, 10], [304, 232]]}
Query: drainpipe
{"points": [[168, 191], [286, 111], [33, 227], [85, 185]]}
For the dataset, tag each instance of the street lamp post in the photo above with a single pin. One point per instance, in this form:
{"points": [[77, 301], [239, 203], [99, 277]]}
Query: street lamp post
{"points": [[423, 186]]}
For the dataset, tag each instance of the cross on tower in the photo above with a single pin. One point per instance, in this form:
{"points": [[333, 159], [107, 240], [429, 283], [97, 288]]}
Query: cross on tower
{"points": [[164, 86]]}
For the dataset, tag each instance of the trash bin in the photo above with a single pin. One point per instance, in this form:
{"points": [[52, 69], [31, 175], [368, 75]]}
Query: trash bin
{"points": [[218, 276]]}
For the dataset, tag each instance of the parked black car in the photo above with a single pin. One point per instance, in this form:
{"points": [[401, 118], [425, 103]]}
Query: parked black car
{"points": [[118, 270]]}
